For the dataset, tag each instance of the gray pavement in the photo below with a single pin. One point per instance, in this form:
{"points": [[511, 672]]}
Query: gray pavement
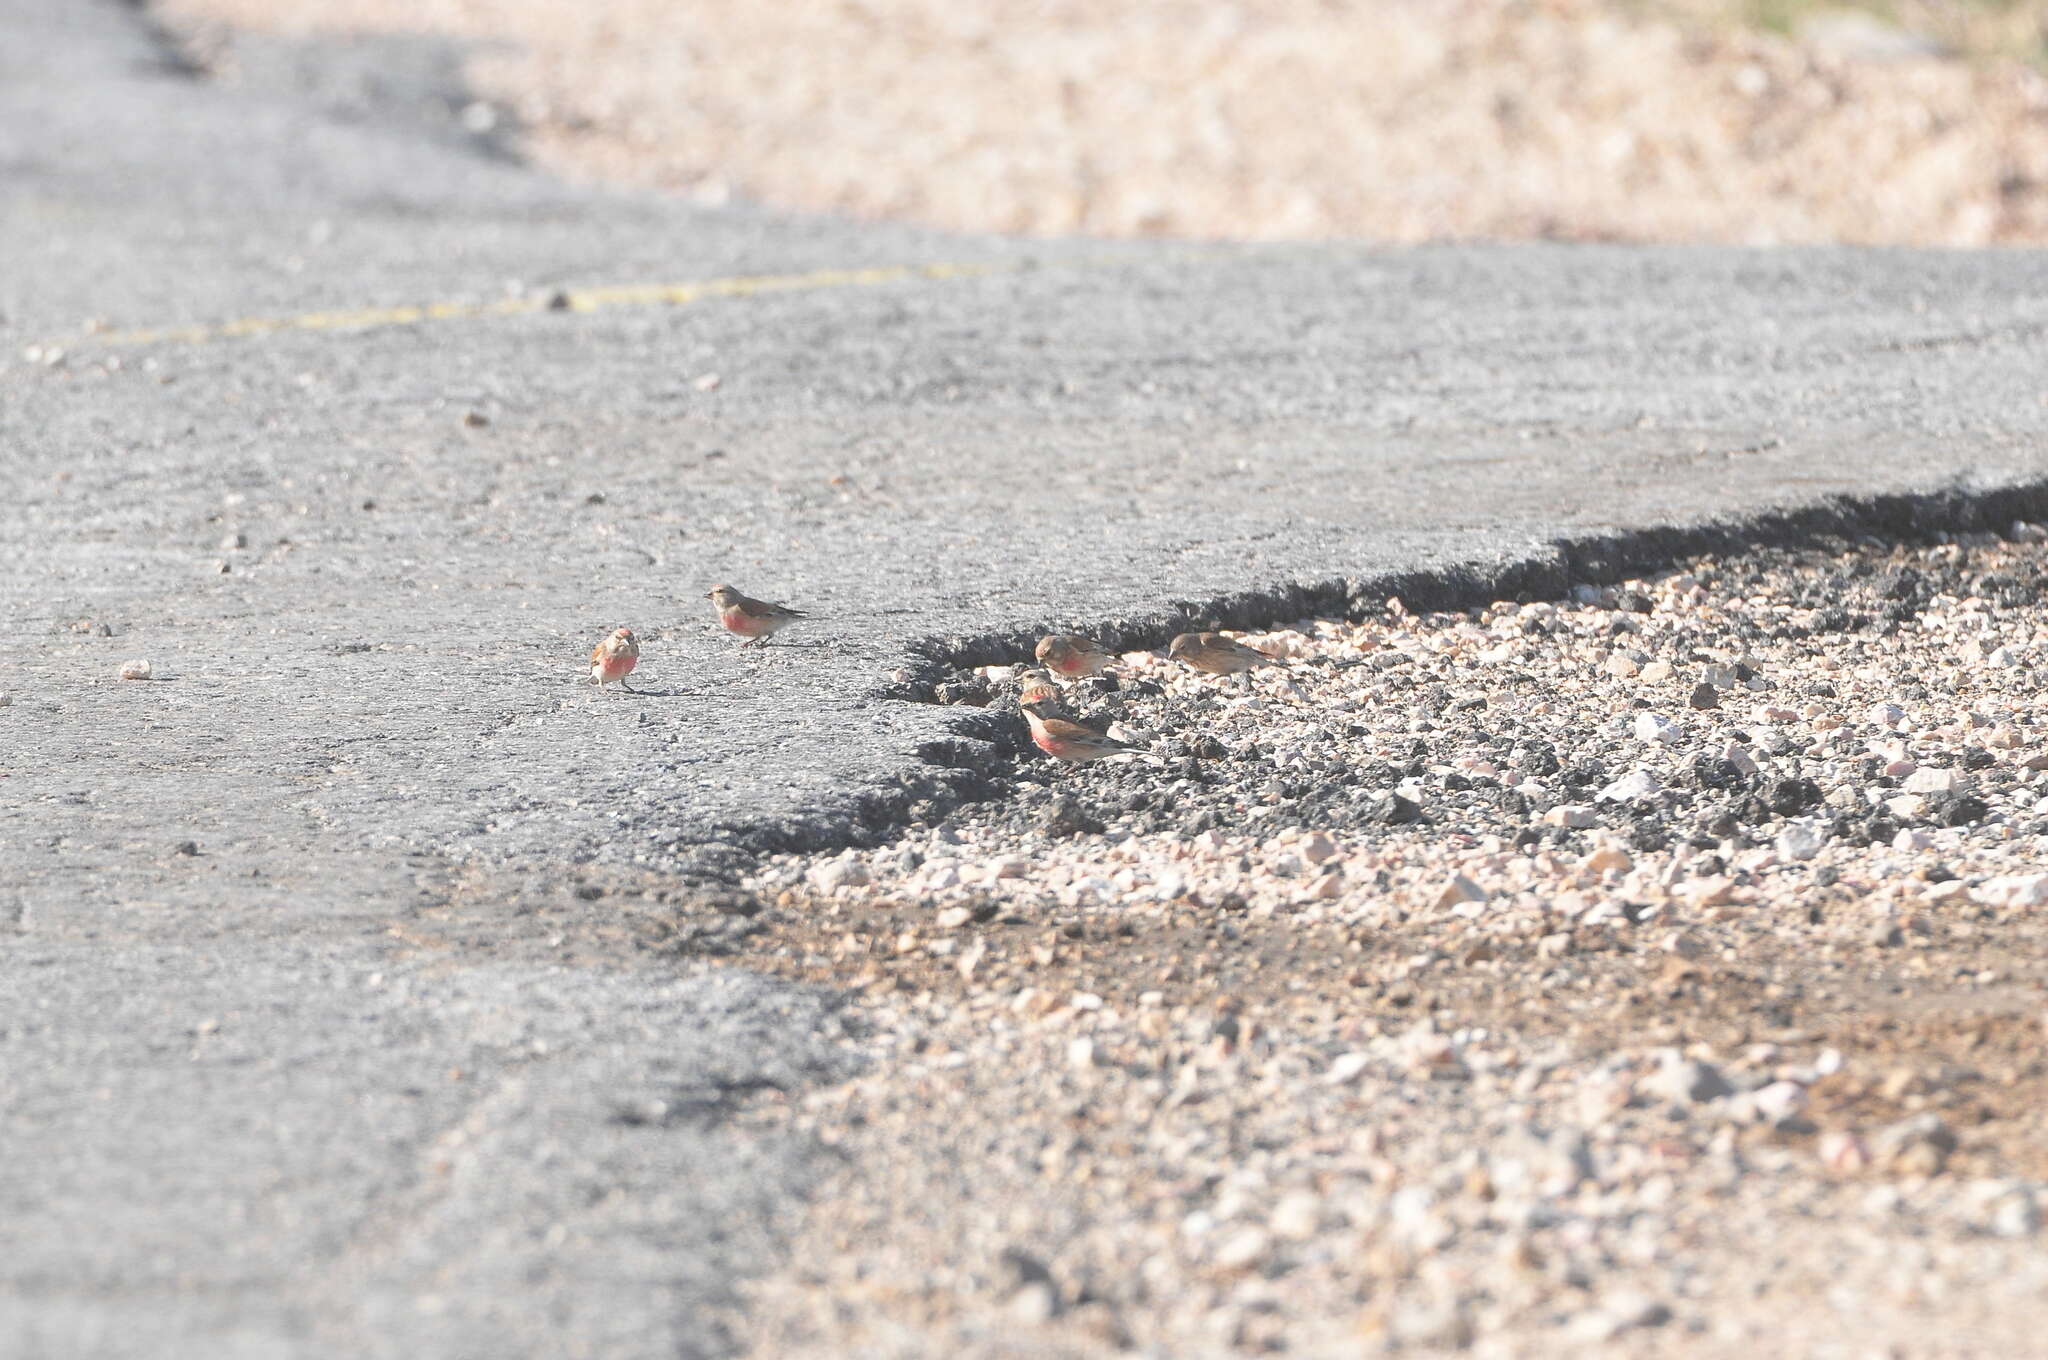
{"points": [[420, 1052]]}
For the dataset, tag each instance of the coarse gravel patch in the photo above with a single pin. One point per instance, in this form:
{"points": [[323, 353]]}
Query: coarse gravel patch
{"points": [[1660, 965]]}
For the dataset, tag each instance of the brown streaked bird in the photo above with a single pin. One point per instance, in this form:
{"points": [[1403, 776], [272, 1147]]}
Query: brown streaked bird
{"points": [[1072, 655], [614, 659], [1216, 654], [755, 620], [1069, 739]]}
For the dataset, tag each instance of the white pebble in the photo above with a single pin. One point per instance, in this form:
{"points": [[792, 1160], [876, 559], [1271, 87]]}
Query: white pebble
{"points": [[1631, 787], [1780, 1102], [136, 670], [1683, 1081], [1243, 1248], [1627, 1309], [2017, 1215], [1034, 1305], [835, 874], [1297, 1217], [1798, 843], [1576, 815], [2014, 890], [1655, 727], [1347, 1067], [1930, 781]]}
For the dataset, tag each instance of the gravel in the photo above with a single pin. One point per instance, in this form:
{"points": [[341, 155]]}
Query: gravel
{"points": [[1647, 1028]]}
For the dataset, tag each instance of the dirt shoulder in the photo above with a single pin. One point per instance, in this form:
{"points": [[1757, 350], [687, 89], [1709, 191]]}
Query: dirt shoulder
{"points": [[1280, 119]]}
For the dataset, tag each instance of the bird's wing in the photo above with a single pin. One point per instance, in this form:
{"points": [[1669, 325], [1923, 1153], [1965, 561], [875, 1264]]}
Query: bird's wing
{"points": [[1076, 730]]}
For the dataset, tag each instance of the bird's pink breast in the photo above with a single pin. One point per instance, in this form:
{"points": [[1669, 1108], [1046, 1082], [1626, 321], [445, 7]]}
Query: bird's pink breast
{"points": [[1065, 748], [741, 622]]}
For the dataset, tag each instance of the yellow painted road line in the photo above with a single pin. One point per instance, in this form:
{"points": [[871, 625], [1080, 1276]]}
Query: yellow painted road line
{"points": [[568, 299]]}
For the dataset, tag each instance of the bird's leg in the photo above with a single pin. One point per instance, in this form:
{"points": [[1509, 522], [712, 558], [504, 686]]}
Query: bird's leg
{"points": [[626, 687]]}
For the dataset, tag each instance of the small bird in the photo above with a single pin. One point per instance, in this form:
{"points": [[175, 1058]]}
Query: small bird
{"points": [[1072, 655], [754, 620], [614, 659], [1069, 739], [1217, 655]]}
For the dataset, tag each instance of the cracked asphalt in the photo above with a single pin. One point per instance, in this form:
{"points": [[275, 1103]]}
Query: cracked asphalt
{"points": [[343, 1007]]}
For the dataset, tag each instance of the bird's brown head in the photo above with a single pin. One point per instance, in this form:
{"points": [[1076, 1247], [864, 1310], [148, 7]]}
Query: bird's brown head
{"points": [[623, 633], [1047, 707], [725, 597], [1183, 646], [1050, 649]]}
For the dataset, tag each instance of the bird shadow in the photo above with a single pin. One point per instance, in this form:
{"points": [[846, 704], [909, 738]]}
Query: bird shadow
{"points": [[643, 692]]}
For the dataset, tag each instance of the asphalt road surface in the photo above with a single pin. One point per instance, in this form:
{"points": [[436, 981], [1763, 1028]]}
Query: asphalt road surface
{"points": [[358, 986]]}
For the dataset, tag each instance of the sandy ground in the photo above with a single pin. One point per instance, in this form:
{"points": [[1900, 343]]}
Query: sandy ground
{"points": [[1267, 119]]}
